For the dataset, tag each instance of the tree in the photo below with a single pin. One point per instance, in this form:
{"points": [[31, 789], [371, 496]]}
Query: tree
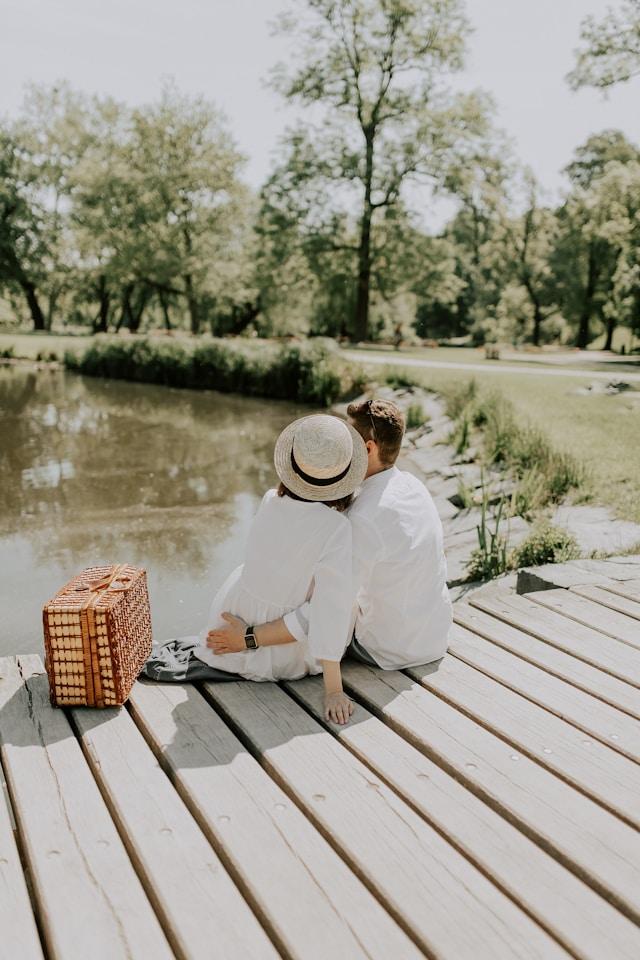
{"points": [[611, 49], [532, 237], [377, 69], [585, 259], [160, 212], [22, 242]]}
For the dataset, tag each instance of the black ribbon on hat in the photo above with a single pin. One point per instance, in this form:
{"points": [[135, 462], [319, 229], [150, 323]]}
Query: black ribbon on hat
{"points": [[315, 481]]}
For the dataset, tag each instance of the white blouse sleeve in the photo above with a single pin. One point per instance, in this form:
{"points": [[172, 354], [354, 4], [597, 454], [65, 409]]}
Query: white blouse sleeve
{"points": [[330, 607]]}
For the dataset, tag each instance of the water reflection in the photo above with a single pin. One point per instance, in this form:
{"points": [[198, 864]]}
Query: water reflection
{"points": [[95, 471]]}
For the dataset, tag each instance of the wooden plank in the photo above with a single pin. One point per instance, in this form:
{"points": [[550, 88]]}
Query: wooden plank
{"points": [[556, 662], [616, 658], [619, 731], [90, 900], [404, 860], [585, 611], [192, 893], [627, 588], [611, 600], [18, 932], [579, 918], [598, 847], [304, 894], [606, 776]]}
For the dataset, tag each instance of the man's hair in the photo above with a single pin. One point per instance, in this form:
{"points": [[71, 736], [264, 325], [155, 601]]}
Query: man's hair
{"points": [[382, 421]]}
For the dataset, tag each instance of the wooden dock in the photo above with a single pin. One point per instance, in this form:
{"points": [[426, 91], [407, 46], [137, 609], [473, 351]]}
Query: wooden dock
{"points": [[483, 807]]}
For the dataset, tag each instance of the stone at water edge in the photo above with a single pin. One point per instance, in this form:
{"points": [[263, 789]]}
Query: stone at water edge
{"points": [[596, 528]]}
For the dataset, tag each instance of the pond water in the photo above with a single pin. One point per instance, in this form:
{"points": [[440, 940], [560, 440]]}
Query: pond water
{"points": [[102, 471]]}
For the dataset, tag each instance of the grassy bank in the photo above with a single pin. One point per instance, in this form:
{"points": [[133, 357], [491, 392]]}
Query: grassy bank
{"points": [[601, 432], [307, 372]]}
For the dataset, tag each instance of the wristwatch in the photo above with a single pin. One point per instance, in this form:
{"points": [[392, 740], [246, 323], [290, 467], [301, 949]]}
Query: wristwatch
{"points": [[250, 640]]}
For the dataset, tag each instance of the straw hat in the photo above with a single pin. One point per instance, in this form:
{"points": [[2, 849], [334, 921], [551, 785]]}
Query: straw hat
{"points": [[320, 457]]}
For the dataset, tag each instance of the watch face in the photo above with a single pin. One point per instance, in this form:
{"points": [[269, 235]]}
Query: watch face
{"points": [[250, 640]]}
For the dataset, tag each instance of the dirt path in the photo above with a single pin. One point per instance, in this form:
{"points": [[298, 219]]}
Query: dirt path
{"points": [[398, 360]]}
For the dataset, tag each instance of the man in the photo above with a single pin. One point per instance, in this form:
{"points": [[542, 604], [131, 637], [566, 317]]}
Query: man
{"points": [[402, 610]]}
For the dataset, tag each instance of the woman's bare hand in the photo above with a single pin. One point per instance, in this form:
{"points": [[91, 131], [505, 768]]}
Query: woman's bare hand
{"points": [[337, 707], [229, 639]]}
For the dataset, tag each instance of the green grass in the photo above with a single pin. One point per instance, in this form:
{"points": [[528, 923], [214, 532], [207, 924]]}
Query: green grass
{"points": [[601, 432]]}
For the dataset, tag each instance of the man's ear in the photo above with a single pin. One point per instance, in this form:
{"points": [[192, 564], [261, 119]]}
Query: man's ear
{"points": [[370, 445]]}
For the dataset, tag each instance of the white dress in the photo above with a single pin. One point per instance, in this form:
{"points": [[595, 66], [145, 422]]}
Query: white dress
{"points": [[296, 551]]}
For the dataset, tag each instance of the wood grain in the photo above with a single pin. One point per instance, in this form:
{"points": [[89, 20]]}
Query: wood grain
{"points": [[452, 909], [619, 731], [608, 622], [548, 658], [192, 892], [18, 932], [579, 918], [90, 900], [314, 906], [589, 645], [611, 600], [594, 844]]}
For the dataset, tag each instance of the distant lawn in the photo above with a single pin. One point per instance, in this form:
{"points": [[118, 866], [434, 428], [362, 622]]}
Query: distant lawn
{"points": [[29, 345], [601, 431]]}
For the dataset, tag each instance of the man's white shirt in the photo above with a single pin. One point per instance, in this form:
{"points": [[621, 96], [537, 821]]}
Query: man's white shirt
{"points": [[402, 612]]}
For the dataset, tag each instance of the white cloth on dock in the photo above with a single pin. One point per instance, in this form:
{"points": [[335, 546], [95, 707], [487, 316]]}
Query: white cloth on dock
{"points": [[296, 550]]}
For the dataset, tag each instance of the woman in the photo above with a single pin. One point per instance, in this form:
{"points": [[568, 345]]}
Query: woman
{"points": [[299, 548]]}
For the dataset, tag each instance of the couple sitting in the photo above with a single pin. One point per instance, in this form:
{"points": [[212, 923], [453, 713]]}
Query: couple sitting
{"points": [[326, 573]]}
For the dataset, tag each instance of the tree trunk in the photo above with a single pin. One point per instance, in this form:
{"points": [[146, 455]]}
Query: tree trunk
{"points": [[361, 317], [537, 312], [125, 312], [104, 297], [136, 313], [34, 306], [164, 303], [584, 335], [194, 307], [611, 325]]}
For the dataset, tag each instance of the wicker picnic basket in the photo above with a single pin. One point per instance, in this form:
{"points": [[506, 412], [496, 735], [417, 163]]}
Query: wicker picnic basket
{"points": [[97, 635]]}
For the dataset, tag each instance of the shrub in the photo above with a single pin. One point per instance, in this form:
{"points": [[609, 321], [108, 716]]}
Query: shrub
{"points": [[489, 559], [545, 544], [308, 372], [401, 381], [415, 416], [544, 475]]}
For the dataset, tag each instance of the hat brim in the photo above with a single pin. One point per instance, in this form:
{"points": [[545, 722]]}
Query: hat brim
{"points": [[308, 491]]}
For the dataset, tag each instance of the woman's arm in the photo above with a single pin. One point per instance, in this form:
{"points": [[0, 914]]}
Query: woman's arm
{"points": [[337, 705]]}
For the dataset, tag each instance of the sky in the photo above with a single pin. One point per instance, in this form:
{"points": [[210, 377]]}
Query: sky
{"points": [[520, 52]]}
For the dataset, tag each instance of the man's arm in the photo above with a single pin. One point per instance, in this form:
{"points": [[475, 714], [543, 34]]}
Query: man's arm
{"points": [[295, 625], [230, 638]]}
